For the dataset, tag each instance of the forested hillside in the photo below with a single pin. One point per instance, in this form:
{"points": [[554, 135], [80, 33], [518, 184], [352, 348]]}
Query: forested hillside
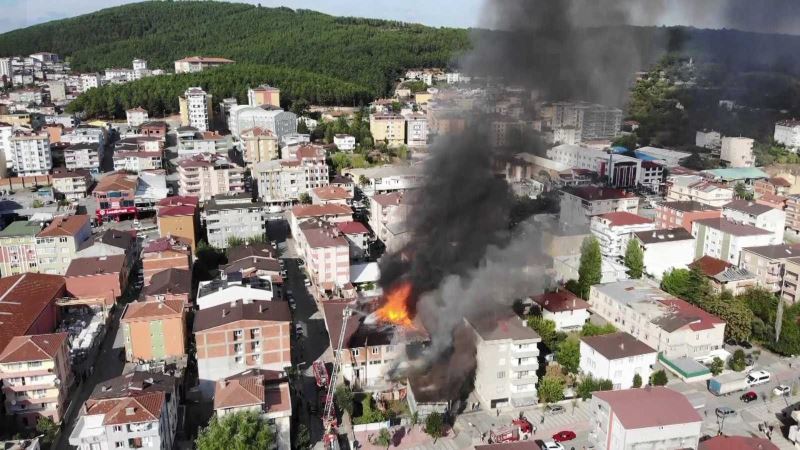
{"points": [[369, 53]]}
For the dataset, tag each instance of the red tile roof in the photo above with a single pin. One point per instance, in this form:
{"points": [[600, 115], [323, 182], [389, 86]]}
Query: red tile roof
{"points": [[710, 266], [331, 209], [649, 407], [95, 265], [310, 151], [253, 387], [698, 318], [39, 347], [352, 228], [23, 298], [117, 182], [152, 310], [780, 181], [622, 218], [736, 443], [393, 198], [135, 409], [561, 300], [205, 59], [179, 200], [176, 211], [332, 193], [65, 226]]}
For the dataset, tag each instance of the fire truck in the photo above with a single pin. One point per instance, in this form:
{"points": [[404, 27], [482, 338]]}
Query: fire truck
{"points": [[519, 430]]}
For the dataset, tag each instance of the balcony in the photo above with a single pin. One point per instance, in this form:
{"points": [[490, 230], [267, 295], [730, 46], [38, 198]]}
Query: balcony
{"points": [[519, 367]]}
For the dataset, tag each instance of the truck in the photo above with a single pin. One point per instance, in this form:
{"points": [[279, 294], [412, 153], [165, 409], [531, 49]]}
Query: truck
{"points": [[520, 429], [728, 383]]}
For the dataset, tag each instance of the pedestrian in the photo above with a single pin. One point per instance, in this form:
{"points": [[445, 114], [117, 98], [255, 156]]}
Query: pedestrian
{"points": [[542, 421], [498, 412], [705, 412]]}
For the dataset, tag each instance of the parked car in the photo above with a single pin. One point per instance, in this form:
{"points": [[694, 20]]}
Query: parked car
{"points": [[745, 345], [563, 436], [757, 377], [748, 397], [725, 411], [554, 409], [782, 390], [552, 445]]}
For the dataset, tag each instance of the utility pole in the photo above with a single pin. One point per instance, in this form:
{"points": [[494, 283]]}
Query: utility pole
{"points": [[779, 314]]}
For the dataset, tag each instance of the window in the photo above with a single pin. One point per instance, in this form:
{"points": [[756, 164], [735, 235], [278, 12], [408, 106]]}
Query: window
{"points": [[501, 375], [355, 352], [119, 444], [375, 350], [239, 360]]}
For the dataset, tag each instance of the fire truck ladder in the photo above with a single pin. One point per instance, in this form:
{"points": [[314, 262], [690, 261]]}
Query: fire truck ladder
{"points": [[329, 414]]}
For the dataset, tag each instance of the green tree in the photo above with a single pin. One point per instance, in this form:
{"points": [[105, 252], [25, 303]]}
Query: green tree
{"points": [[637, 380], [551, 389], [237, 431], [434, 425], [343, 397], [37, 203], [384, 439], [659, 378], [48, 429], [590, 329], [690, 285], [590, 269], [734, 311], [363, 181], [569, 354], [605, 385], [628, 141], [369, 414], [585, 388], [303, 439], [302, 128], [737, 361], [717, 366], [546, 329], [304, 198], [634, 259], [742, 192]]}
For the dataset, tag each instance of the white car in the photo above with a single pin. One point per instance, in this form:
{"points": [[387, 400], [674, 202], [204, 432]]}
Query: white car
{"points": [[757, 377], [552, 445], [782, 390]]}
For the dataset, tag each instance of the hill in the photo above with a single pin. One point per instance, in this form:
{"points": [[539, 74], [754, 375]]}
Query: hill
{"points": [[369, 53]]}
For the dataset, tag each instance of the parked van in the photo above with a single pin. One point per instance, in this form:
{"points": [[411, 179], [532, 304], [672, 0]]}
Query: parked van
{"points": [[757, 377]]}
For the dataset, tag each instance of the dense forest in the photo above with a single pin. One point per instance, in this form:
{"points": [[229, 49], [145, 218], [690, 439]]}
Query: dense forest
{"points": [[159, 95], [366, 52]]}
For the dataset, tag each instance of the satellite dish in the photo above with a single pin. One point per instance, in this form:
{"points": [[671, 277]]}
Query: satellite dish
{"points": [[13, 402], [57, 381]]}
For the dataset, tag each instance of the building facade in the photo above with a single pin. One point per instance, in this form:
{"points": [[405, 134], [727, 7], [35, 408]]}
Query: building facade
{"points": [[31, 153], [617, 357], [388, 128], [738, 152], [196, 109], [58, 243], [682, 214], [613, 231], [206, 175], [154, 330], [723, 239], [232, 216]]}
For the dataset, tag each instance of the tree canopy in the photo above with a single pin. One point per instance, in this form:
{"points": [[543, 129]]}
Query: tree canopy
{"points": [[634, 259], [590, 271], [237, 431]]}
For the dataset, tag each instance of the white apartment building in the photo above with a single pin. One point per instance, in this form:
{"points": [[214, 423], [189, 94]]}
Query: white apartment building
{"points": [[206, 175], [385, 179], [7, 149], [617, 357], [387, 219], [698, 189], [416, 130], [613, 231], [136, 116], [578, 157], [31, 153], [5, 68], [738, 152], [245, 117], [670, 158], [507, 354], [724, 239], [139, 64], [283, 181], [711, 140], [567, 136], [73, 185], [655, 418], [579, 204], [666, 249], [787, 132], [85, 134], [258, 145], [193, 64], [196, 109], [90, 81], [757, 215], [83, 156], [228, 216], [137, 161], [671, 326], [344, 142]]}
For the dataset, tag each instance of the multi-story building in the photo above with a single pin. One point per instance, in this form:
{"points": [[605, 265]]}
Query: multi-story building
{"points": [[723, 275], [724, 239], [90, 81], [71, 184], [154, 330], [673, 327], [162, 254], [206, 175], [116, 196], [682, 214], [18, 248], [358, 236], [84, 134], [136, 116], [563, 308], [283, 181], [137, 161], [388, 128], [787, 133], [665, 249], [224, 290], [669, 158], [616, 357], [387, 218], [711, 140], [178, 217], [154, 128], [386, 179], [58, 243], [790, 292], [579, 204], [234, 216], [275, 120], [243, 334], [258, 145], [344, 142], [264, 95], [698, 189], [724, 442], [103, 277], [326, 253], [6, 132], [330, 194], [793, 213], [416, 130], [172, 284], [193, 64], [31, 153], [196, 109], [771, 186], [265, 392], [595, 122], [654, 417], [83, 156], [738, 152], [767, 263], [28, 304], [757, 215], [36, 376], [332, 213], [613, 231], [507, 355]]}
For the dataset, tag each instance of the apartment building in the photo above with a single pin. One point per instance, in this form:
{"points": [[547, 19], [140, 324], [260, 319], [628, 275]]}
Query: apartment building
{"points": [[681, 214], [711, 140], [27, 305], [565, 309], [268, 118], [206, 175], [258, 145], [790, 293], [617, 357], [179, 217], [154, 128], [234, 216], [386, 179], [331, 213], [243, 334], [136, 116], [330, 194], [283, 181], [767, 263], [168, 252], [31, 153], [18, 251], [90, 81], [193, 64], [83, 156], [595, 122], [103, 277], [137, 161], [326, 253], [264, 95], [507, 355], [724, 239], [387, 218], [738, 152], [116, 196], [344, 142], [154, 330], [388, 128], [173, 284], [723, 275], [58, 243], [265, 392], [771, 186], [698, 189], [579, 204], [673, 327], [757, 215], [72, 185], [793, 213], [665, 249], [196, 109], [654, 417], [416, 130], [613, 231], [36, 376], [358, 236], [231, 286]]}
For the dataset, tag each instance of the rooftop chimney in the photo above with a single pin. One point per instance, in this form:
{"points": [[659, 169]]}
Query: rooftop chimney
{"points": [[130, 411]]}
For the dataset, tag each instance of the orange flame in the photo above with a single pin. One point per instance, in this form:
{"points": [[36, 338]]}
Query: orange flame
{"points": [[395, 310]]}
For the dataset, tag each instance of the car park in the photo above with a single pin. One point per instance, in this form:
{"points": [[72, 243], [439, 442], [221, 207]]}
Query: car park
{"points": [[782, 390], [725, 411], [563, 436], [748, 397]]}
